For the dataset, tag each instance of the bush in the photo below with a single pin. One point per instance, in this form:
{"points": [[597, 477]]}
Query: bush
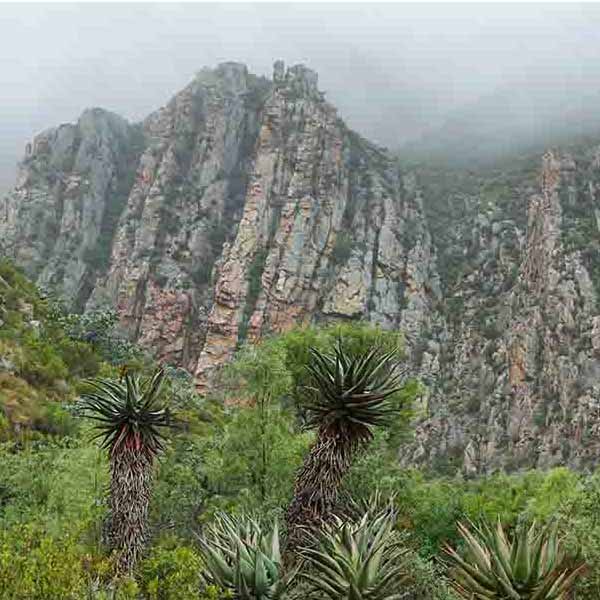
{"points": [[251, 465], [281, 360], [342, 249], [35, 566], [91, 333], [425, 579], [27, 413], [172, 574], [41, 364]]}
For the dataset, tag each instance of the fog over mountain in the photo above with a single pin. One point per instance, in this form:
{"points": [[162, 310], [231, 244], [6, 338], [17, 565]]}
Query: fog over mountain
{"points": [[439, 79]]}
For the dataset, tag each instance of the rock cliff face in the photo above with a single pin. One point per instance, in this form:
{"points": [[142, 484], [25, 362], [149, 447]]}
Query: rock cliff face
{"points": [[249, 207], [246, 206], [518, 385], [58, 221]]}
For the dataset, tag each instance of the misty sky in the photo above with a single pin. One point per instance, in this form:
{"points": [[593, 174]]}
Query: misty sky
{"points": [[394, 71]]}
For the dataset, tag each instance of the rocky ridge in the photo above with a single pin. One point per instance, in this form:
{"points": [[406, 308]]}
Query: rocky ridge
{"points": [[250, 208], [518, 384]]}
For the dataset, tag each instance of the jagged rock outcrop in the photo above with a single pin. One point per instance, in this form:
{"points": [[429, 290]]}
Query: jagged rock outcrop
{"points": [[246, 206], [186, 201], [58, 221], [293, 258], [250, 208]]}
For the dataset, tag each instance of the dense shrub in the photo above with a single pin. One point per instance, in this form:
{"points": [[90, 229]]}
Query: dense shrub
{"points": [[37, 566], [172, 574], [342, 249]]}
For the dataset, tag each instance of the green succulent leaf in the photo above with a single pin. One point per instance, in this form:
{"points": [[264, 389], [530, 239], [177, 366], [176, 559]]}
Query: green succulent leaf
{"points": [[241, 556], [348, 391]]}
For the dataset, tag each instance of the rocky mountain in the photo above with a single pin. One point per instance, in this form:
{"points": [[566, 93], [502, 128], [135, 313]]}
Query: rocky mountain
{"points": [[243, 206], [246, 206]]}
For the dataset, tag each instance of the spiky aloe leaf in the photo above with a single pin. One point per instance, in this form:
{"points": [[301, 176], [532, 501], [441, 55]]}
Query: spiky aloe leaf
{"points": [[531, 566], [349, 395], [349, 391], [129, 423]]}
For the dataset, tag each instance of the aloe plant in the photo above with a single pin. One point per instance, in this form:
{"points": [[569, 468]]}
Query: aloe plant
{"points": [[244, 558], [357, 560], [348, 398], [130, 420], [530, 566]]}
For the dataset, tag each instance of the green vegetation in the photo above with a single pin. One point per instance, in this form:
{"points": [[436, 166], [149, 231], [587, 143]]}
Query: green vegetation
{"points": [[216, 234], [39, 362], [97, 256], [98, 329], [237, 453], [242, 556], [580, 231], [358, 560], [342, 249], [348, 397], [254, 286], [202, 273]]}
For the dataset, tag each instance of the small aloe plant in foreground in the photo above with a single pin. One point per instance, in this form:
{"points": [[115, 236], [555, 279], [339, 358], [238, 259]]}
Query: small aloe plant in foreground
{"points": [[357, 560], [242, 556], [529, 566]]}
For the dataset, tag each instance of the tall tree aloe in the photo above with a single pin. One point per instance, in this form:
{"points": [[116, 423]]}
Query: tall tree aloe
{"points": [[130, 422], [348, 399]]}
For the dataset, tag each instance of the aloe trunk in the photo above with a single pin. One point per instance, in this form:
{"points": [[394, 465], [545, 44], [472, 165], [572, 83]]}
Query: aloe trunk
{"points": [[129, 422], [130, 489], [317, 486]]}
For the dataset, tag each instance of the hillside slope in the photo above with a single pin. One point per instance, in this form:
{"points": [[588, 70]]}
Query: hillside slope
{"points": [[518, 257], [41, 365]]}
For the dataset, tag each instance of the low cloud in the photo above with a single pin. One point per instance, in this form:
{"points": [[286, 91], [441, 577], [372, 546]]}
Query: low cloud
{"points": [[399, 73]]}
